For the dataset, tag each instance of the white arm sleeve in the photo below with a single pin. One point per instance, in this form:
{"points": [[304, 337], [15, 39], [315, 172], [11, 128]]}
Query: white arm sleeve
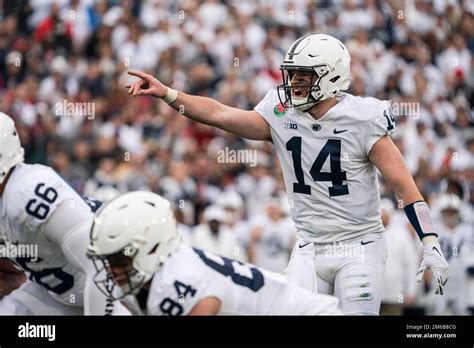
{"points": [[69, 228]]}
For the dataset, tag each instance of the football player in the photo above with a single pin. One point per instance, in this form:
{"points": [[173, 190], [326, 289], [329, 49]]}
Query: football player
{"points": [[456, 241], [38, 208], [272, 238], [330, 145], [134, 238], [233, 204]]}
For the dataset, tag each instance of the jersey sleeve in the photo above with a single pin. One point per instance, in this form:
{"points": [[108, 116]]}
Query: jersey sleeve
{"points": [[270, 108], [41, 191], [260, 107], [176, 296], [73, 238], [68, 228], [380, 123], [39, 195], [180, 286]]}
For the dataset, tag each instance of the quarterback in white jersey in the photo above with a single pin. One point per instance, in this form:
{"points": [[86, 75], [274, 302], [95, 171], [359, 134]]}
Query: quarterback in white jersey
{"points": [[135, 239], [41, 213], [337, 198], [330, 145]]}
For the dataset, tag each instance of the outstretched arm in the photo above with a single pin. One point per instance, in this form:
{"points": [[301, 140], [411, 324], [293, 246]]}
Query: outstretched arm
{"points": [[386, 157], [389, 161], [246, 124]]}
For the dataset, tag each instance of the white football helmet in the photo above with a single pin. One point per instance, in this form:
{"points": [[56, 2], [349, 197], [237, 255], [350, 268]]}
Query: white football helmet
{"points": [[230, 200], [449, 205], [233, 204], [449, 201], [322, 54], [136, 229], [11, 152], [105, 193], [214, 213]]}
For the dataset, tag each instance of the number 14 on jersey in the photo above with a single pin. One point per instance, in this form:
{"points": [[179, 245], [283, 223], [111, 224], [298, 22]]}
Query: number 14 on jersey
{"points": [[336, 176]]}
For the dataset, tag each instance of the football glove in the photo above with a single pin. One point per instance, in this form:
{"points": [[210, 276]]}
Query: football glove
{"points": [[433, 259]]}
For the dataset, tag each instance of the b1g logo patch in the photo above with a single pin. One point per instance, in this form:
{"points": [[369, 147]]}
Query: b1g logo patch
{"points": [[279, 109]]}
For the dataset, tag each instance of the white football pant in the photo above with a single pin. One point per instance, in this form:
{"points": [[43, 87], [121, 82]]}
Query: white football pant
{"points": [[351, 270]]}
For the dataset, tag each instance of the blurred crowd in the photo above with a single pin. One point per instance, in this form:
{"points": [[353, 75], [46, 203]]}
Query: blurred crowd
{"points": [[62, 75]]}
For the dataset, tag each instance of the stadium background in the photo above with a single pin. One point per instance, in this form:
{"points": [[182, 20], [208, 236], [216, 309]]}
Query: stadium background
{"points": [[60, 54]]}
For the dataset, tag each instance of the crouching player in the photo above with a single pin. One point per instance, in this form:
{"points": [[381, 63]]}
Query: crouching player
{"points": [[134, 238]]}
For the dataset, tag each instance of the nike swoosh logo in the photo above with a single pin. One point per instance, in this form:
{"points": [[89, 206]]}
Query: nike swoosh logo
{"points": [[435, 248], [339, 131], [302, 245], [371, 241]]}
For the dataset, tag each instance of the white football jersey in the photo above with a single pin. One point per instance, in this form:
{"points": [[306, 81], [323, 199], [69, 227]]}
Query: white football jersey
{"points": [[31, 196], [332, 186], [190, 275], [456, 246], [272, 250], [457, 249], [33, 299], [224, 242]]}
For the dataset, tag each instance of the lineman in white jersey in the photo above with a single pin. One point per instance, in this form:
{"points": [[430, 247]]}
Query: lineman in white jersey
{"points": [[329, 145], [38, 208], [134, 238]]}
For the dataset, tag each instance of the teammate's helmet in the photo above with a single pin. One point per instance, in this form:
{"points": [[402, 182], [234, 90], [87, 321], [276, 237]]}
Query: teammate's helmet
{"points": [[449, 205], [215, 213], [11, 152], [449, 201], [138, 230], [230, 200], [322, 54], [233, 204]]}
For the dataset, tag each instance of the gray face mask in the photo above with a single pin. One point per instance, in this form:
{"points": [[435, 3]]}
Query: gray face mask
{"points": [[104, 278], [285, 90]]}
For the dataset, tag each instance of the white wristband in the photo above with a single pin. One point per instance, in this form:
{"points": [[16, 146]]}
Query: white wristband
{"points": [[171, 95]]}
